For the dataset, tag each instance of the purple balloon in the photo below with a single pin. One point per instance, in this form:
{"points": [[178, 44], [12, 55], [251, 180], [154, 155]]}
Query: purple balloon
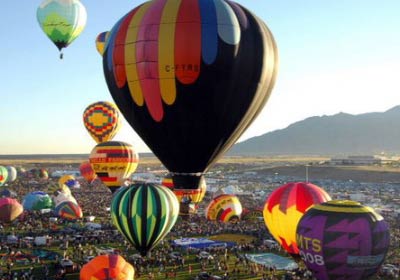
{"points": [[342, 240]]}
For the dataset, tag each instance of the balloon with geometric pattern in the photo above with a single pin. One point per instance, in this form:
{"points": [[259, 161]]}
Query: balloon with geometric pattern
{"points": [[144, 213], [285, 206], [70, 181], [102, 121], [62, 21], [101, 40], [107, 267], [114, 162], [190, 77], [342, 239]]}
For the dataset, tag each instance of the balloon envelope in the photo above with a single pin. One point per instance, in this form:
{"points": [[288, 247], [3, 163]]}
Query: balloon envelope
{"points": [[12, 174], [61, 20], [224, 208], [8, 193], [102, 121], [144, 213], [37, 200], [190, 78], [342, 240], [3, 175], [113, 162], [105, 267], [87, 172], [285, 206], [69, 210], [101, 42], [69, 181], [10, 209]]}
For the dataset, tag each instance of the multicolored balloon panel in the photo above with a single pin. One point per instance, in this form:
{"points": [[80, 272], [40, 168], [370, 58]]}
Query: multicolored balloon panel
{"points": [[102, 121], [68, 210], [342, 240], [87, 172], [3, 175], [62, 20], [285, 206], [68, 180], [113, 162], [190, 77], [224, 208], [107, 267], [101, 40], [10, 209], [187, 195], [144, 213]]}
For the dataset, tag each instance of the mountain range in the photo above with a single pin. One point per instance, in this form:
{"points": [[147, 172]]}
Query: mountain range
{"points": [[340, 134]]}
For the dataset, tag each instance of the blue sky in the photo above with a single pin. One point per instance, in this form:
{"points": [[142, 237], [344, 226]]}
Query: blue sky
{"points": [[335, 56]]}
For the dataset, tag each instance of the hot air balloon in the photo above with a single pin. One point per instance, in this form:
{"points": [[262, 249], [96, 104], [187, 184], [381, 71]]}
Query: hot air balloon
{"points": [[12, 174], [224, 208], [101, 42], [190, 77], [342, 239], [144, 213], [102, 121], [187, 198], [10, 209], [113, 162], [3, 175], [68, 210], [69, 181], [62, 197], [37, 201], [285, 206], [56, 189], [106, 267], [62, 21], [87, 172]]}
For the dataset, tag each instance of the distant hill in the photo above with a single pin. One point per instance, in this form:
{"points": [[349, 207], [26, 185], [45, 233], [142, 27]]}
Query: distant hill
{"points": [[340, 134]]}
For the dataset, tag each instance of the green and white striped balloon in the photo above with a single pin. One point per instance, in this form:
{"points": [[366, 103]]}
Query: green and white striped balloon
{"points": [[144, 213]]}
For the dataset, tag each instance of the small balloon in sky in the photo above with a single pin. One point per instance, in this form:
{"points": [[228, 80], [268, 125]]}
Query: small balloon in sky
{"points": [[62, 21], [101, 41]]}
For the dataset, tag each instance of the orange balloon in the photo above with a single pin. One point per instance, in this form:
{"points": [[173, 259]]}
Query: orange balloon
{"points": [[107, 267]]}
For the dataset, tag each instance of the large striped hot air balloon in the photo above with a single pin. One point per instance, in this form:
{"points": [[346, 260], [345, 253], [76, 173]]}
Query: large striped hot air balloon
{"points": [[342, 239], [10, 209], [102, 121], [190, 77], [285, 206], [144, 213], [224, 208], [107, 267], [113, 162]]}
